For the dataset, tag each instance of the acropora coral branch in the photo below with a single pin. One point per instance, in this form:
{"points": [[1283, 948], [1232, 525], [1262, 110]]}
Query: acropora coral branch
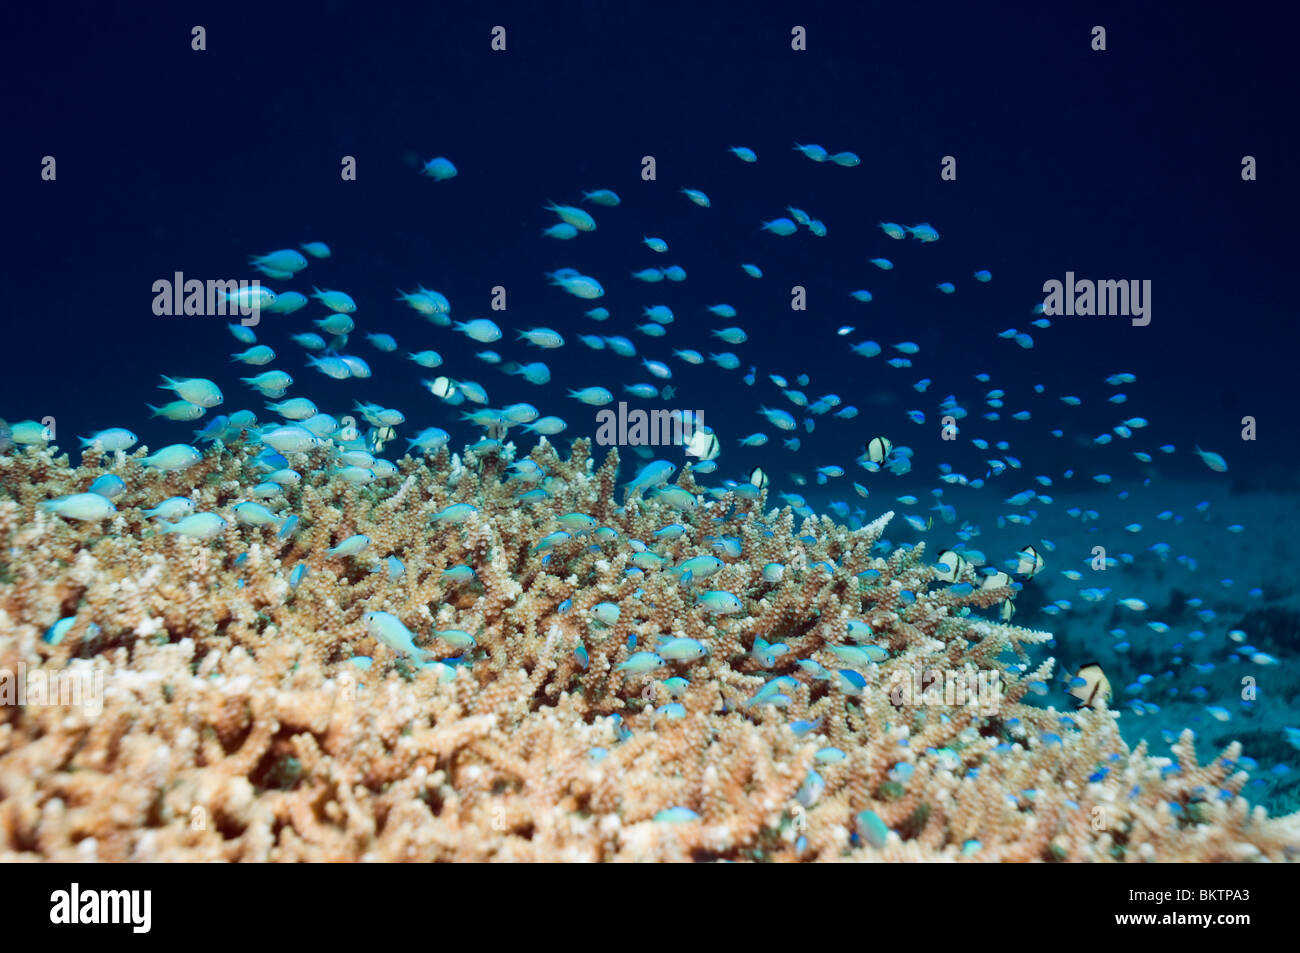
{"points": [[238, 724]]}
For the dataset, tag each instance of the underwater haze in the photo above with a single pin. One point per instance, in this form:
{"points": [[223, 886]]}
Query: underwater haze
{"points": [[1022, 278]]}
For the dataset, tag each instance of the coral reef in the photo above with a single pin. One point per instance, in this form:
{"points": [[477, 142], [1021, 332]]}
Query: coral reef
{"points": [[237, 724]]}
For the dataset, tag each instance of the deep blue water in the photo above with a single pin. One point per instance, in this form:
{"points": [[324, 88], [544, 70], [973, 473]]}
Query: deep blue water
{"points": [[1115, 164]]}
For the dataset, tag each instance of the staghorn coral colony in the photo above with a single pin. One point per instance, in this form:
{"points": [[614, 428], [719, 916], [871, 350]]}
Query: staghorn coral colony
{"points": [[577, 686]]}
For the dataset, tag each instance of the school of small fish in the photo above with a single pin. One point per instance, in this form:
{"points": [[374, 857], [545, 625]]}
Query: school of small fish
{"points": [[1000, 420]]}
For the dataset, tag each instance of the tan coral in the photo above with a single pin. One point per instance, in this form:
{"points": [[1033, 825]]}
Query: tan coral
{"points": [[235, 725]]}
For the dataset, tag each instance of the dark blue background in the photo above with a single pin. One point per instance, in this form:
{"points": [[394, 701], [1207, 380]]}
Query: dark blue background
{"points": [[1115, 164]]}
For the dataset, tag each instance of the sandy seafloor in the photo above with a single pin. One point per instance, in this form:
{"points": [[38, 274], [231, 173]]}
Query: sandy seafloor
{"points": [[1262, 555]]}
